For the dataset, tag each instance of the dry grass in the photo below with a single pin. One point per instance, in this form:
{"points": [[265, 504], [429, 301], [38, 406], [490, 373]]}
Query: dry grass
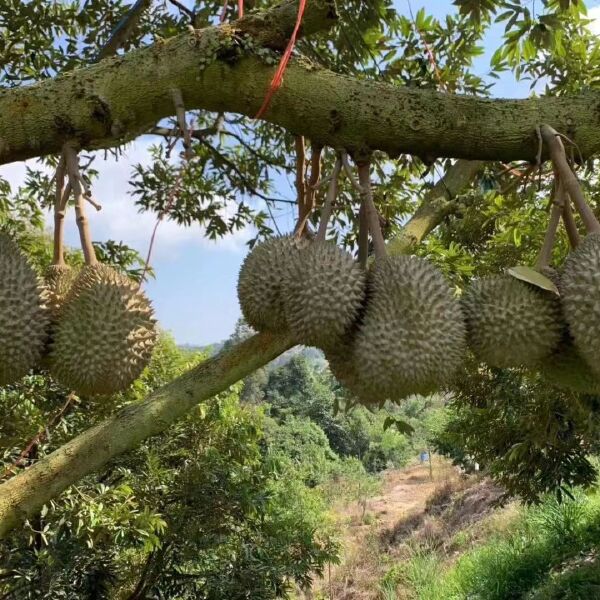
{"points": [[369, 543]]}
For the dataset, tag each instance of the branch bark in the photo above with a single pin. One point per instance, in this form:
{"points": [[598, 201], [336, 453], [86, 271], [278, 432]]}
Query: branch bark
{"points": [[437, 204], [120, 98]]}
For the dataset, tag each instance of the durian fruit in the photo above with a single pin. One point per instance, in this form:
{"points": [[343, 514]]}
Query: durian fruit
{"points": [[580, 293], [511, 323], [105, 334], [566, 369], [412, 338], [323, 289], [259, 282], [23, 319], [341, 360], [58, 280]]}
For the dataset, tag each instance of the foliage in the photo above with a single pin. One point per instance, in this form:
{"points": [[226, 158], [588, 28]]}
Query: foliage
{"points": [[529, 436], [542, 557], [212, 509]]}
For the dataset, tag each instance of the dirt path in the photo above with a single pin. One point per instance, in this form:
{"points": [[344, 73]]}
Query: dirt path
{"points": [[404, 493]]}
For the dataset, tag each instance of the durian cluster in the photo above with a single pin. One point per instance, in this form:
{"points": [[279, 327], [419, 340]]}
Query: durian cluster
{"points": [[397, 328], [389, 332], [93, 329], [512, 323]]}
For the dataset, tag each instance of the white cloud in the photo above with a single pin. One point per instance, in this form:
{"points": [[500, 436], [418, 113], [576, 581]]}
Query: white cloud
{"points": [[594, 14], [119, 218]]}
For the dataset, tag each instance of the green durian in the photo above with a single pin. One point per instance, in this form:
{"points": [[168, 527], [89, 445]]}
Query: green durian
{"points": [[412, 338], [259, 282], [511, 323], [580, 293], [58, 280], [23, 317], [105, 333], [323, 289]]}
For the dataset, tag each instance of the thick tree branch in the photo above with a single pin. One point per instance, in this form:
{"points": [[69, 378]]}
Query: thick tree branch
{"points": [[23, 495], [120, 98]]}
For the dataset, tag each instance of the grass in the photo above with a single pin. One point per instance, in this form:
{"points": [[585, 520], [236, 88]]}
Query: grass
{"points": [[539, 558]]}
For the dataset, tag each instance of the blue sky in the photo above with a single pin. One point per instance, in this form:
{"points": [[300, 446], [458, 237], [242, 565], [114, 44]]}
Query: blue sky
{"points": [[194, 293]]}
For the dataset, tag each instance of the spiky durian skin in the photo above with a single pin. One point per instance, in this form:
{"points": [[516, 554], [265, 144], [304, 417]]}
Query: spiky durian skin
{"points": [[323, 290], [412, 338], [105, 334], [567, 370], [23, 318], [580, 293], [511, 323], [259, 282], [58, 280], [341, 357]]}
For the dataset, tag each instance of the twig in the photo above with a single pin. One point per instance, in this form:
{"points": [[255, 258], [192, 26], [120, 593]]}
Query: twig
{"points": [[363, 236], [59, 214], [184, 9], [183, 126], [331, 196], [123, 30], [569, 221], [364, 178], [39, 437], [545, 254], [349, 174]]}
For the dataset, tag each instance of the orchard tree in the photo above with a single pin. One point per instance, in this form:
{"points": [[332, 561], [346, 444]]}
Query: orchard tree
{"points": [[454, 174]]}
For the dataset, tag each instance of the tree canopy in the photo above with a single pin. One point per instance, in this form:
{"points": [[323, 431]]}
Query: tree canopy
{"points": [[458, 175]]}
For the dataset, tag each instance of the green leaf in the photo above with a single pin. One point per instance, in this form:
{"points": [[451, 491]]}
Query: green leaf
{"points": [[533, 277]]}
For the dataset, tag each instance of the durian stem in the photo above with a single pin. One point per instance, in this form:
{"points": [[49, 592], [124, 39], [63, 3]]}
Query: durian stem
{"points": [[185, 130], [363, 236], [332, 192], [568, 178], [570, 225], [59, 215], [545, 254], [307, 203], [364, 179], [72, 162], [300, 169]]}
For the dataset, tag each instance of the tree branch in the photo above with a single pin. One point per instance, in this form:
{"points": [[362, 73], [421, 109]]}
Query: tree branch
{"points": [[22, 496], [119, 98], [123, 30]]}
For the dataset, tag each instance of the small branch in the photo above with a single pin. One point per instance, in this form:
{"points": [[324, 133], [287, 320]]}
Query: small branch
{"points": [[183, 126], [300, 169], [568, 178], [72, 163], [123, 30], [38, 438], [243, 178], [364, 179], [331, 196], [184, 9], [363, 236], [569, 221], [350, 174]]}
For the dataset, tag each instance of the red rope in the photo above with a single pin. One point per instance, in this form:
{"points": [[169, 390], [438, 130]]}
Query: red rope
{"points": [[285, 59], [240, 9]]}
